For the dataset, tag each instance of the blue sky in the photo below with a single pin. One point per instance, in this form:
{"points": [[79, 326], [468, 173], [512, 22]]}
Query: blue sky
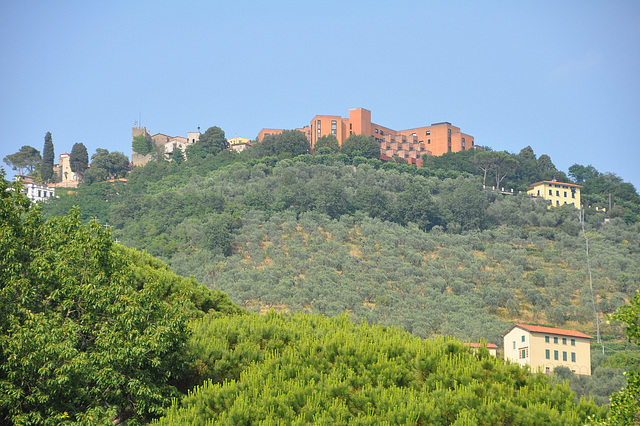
{"points": [[561, 77]]}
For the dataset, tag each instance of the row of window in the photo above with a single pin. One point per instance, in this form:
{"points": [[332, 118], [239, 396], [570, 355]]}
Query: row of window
{"points": [[573, 193], [547, 339], [556, 355]]}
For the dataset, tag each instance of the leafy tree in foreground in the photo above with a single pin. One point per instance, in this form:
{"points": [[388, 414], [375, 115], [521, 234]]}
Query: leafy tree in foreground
{"points": [[85, 335], [78, 159], [26, 160], [625, 408], [310, 369], [48, 156]]}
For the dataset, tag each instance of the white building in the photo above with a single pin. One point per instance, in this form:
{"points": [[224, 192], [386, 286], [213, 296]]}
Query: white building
{"points": [[35, 191]]}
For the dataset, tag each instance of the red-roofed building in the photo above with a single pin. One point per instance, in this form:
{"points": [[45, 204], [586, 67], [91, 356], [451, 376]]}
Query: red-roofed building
{"points": [[493, 349], [545, 348], [557, 193]]}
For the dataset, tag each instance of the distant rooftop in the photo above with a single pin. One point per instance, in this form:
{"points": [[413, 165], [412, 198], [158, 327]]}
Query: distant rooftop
{"points": [[550, 330]]}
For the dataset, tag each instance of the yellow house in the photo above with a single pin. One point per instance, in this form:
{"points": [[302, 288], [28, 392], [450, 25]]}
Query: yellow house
{"points": [[545, 348], [239, 144], [558, 193]]}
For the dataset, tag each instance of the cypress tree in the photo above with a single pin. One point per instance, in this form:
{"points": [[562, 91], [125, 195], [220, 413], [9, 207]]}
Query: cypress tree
{"points": [[46, 170], [79, 159]]}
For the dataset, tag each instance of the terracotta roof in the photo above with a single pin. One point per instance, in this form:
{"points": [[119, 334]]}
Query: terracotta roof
{"points": [[477, 345], [549, 330], [554, 182]]}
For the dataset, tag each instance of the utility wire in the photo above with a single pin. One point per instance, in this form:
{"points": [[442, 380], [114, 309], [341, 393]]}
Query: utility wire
{"points": [[593, 300]]}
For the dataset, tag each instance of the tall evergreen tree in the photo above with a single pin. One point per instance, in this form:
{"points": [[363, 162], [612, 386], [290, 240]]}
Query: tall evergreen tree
{"points": [[46, 170], [79, 159]]}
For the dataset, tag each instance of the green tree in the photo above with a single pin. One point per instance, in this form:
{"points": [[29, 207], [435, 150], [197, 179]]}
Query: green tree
{"points": [[581, 174], [549, 170], [178, 156], [48, 156], [484, 160], [141, 145], [464, 203], [416, 204], [328, 141], [26, 160], [82, 337], [625, 405], [116, 164], [79, 159], [213, 141], [361, 145], [289, 143]]}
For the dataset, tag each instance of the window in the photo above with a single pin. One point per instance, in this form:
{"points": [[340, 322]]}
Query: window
{"points": [[514, 344], [428, 141], [573, 357], [546, 339], [573, 342], [565, 194], [564, 356], [351, 126], [564, 340], [555, 340], [376, 131], [463, 144], [522, 338], [449, 132], [557, 193], [555, 355], [319, 132], [382, 132], [334, 127], [428, 132], [547, 354], [550, 192], [523, 353]]}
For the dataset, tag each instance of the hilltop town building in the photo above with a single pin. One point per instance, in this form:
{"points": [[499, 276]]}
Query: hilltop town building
{"points": [[162, 144], [557, 193], [436, 139], [239, 143], [67, 177], [545, 348]]}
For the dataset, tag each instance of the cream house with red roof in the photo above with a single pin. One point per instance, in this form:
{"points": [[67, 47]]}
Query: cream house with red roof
{"points": [[545, 348]]}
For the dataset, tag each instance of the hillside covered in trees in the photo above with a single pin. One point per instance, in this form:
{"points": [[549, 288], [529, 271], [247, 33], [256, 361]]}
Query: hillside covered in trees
{"points": [[429, 250], [96, 333], [432, 250]]}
